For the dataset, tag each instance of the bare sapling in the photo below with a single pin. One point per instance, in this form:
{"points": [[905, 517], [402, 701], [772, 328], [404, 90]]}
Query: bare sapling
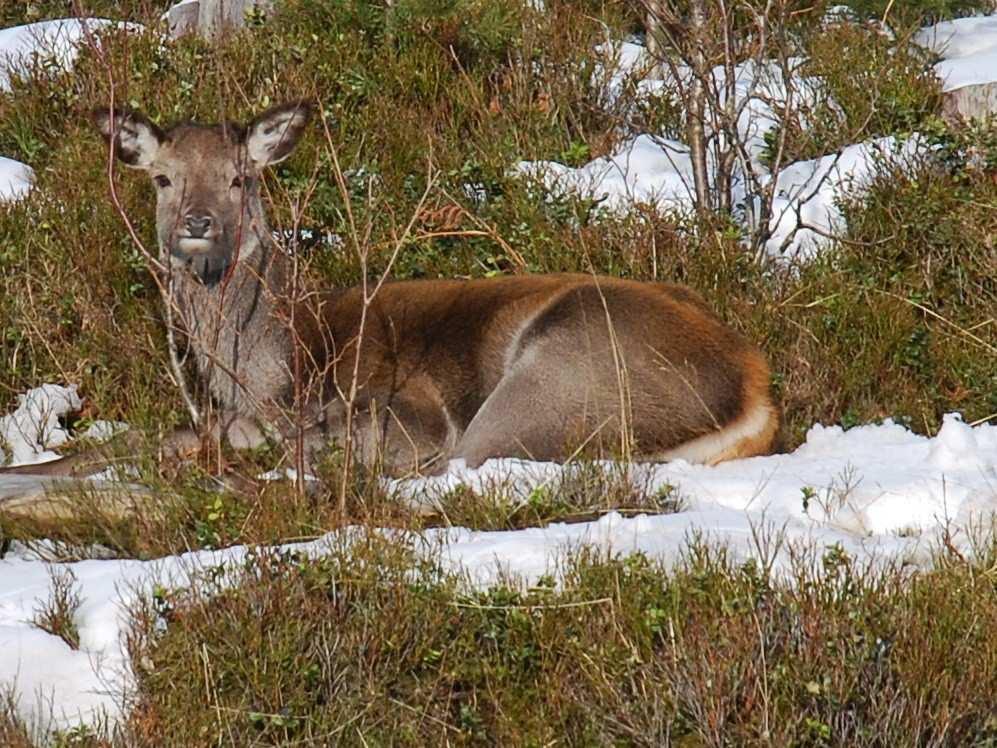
{"points": [[736, 69]]}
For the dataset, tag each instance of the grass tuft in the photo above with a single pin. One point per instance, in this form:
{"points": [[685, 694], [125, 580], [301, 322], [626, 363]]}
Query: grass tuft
{"points": [[57, 615]]}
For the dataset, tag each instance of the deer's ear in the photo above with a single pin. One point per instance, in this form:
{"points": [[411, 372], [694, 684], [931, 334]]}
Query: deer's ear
{"points": [[136, 138], [271, 137]]}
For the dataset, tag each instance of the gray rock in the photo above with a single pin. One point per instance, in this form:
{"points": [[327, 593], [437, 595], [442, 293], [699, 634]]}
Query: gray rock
{"points": [[212, 18], [182, 19], [970, 102]]}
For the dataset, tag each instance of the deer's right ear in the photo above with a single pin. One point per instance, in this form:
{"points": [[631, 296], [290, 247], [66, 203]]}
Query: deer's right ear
{"points": [[136, 138]]}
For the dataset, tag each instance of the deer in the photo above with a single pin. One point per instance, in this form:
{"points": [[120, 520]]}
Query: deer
{"points": [[537, 366]]}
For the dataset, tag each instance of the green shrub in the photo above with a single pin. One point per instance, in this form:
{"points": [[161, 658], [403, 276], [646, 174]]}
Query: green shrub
{"points": [[359, 648], [866, 85]]}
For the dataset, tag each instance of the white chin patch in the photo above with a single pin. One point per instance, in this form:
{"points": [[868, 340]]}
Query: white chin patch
{"points": [[192, 246]]}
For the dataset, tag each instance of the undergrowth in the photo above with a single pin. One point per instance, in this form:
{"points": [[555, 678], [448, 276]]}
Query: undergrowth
{"points": [[370, 645]]}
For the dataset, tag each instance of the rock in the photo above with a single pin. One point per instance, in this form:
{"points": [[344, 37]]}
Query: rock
{"points": [[969, 102], [181, 19], [211, 18]]}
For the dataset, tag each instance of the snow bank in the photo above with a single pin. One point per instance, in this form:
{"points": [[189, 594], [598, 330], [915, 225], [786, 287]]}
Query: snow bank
{"points": [[961, 38], [50, 44], [34, 427], [877, 491], [805, 208], [873, 484], [658, 172], [16, 179], [630, 73], [645, 169], [968, 47], [653, 170]]}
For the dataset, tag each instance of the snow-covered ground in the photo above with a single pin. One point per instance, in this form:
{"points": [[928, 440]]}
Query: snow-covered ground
{"points": [[655, 170], [877, 491], [652, 169], [46, 45], [33, 428]]}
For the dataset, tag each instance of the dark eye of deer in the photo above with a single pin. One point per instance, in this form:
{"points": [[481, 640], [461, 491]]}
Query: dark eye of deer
{"points": [[162, 181], [237, 183]]}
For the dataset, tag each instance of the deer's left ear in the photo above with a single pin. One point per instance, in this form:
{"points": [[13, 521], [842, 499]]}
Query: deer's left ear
{"points": [[136, 139], [271, 137]]}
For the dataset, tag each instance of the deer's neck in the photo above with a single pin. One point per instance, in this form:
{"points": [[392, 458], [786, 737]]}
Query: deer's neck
{"points": [[238, 332]]}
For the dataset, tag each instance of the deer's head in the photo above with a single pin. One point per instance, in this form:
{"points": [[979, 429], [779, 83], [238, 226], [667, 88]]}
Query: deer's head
{"points": [[208, 210]]}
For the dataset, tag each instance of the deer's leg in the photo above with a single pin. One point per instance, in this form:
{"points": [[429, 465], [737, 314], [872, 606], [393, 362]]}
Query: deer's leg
{"points": [[408, 436], [74, 466], [180, 444], [537, 414]]}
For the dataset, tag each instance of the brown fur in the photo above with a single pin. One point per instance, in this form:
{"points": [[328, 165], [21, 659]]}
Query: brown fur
{"points": [[542, 367]]}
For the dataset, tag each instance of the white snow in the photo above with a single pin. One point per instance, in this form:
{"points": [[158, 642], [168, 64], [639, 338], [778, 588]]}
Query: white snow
{"points": [[805, 208], [33, 428], [15, 179], [968, 47], [658, 172], [963, 37], [871, 482], [650, 169], [48, 44], [620, 64], [978, 70], [645, 169]]}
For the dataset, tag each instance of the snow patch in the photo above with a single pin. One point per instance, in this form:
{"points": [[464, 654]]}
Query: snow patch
{"points": [[876, 491], [48, 44], [805, 212], [16, 180], [654, 170], [33, 428], [881, 479], [968, 47], [960, 38], [657, 171]]}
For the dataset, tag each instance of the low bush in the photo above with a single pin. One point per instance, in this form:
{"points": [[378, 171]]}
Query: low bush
{"points": [[370, 645]]}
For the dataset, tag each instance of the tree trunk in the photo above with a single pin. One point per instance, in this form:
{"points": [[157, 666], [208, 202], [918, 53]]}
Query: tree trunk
{"points": [[652, 23], [696, 114]]}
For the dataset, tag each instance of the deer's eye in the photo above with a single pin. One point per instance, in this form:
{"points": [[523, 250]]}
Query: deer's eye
{"points": [[161, 180], [237, 183]]}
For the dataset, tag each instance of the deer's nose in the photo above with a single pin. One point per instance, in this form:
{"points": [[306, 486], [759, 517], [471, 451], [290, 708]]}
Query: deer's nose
{"points": [[197, 225]]}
